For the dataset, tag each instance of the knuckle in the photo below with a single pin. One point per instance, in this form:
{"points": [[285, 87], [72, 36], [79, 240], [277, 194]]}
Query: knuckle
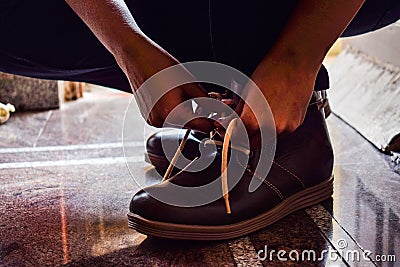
{"points": [[158, 124], [279, 128], [293, 126], [155, 123], [302, 120], [288, 127]]}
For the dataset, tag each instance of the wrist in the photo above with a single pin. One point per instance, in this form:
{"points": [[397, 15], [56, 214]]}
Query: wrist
{"points": [[141, 58], [302, 59], [286, 71], [130, 48]]}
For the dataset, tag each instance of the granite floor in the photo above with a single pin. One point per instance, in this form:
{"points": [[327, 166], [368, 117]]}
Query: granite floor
{"points": [[65, 189]]}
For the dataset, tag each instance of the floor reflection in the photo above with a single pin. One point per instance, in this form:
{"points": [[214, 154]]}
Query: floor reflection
{"points": [[372, 211], [55, 214]]}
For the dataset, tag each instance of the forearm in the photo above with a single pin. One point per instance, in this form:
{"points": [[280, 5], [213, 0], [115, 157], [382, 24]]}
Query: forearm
{"points": [[110, 21], [140, 58], [286, 76], [113, 24]]}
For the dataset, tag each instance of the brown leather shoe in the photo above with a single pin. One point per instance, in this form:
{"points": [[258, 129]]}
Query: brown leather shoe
{"points": [[300, 176]]}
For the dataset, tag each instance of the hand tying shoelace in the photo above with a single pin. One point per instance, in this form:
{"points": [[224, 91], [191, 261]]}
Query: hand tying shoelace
{"points": [[225, 151], [226, 144]]}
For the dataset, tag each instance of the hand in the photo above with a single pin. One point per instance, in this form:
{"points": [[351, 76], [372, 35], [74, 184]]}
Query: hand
{"points": [[175, 106], [140, 66], [288, 91], [287, 74], [139, 57]]}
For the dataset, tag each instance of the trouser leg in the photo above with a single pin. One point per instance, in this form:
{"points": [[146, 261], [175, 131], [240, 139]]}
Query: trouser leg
{"points": [[373, 15], [46, 39], [244, 31]]}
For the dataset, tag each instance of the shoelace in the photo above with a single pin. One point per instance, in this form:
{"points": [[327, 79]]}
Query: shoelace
{"points": [[225, 151], [224, 163]]}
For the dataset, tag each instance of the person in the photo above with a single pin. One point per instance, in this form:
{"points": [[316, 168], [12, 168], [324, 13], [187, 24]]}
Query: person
{"points": [[121, 44]]}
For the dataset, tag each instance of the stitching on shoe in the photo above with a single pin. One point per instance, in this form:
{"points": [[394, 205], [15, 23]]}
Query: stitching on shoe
{"points": [[291, 173], [271, 186]]}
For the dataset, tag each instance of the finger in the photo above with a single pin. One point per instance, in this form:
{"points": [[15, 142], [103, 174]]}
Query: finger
{"points": [[200, 96], [228, 102], [249, 120], [240, 106], [182, 116], [193, 90], [200, 124]]}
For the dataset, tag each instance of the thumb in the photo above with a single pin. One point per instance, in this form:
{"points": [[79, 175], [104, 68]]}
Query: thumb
{"points": [[249, 120]]}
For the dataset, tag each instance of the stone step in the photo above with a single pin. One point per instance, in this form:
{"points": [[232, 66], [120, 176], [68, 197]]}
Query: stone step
{"points": [[366, 94]]}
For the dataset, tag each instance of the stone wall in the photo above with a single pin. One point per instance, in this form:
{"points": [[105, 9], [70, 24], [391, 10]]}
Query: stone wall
{"points": [[28, 93]]}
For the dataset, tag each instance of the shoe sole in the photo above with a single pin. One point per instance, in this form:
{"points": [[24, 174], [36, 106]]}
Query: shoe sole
{"points": [[298, 201]]}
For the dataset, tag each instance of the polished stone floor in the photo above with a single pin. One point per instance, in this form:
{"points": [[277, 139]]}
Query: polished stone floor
{"points": [[65, 189]]}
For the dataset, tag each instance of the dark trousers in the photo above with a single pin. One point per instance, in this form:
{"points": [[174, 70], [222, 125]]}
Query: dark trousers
{"points": [[46, 39]]}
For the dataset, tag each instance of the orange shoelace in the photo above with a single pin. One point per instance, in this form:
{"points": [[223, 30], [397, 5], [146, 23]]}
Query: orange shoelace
{"points": [[224, 163]]}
